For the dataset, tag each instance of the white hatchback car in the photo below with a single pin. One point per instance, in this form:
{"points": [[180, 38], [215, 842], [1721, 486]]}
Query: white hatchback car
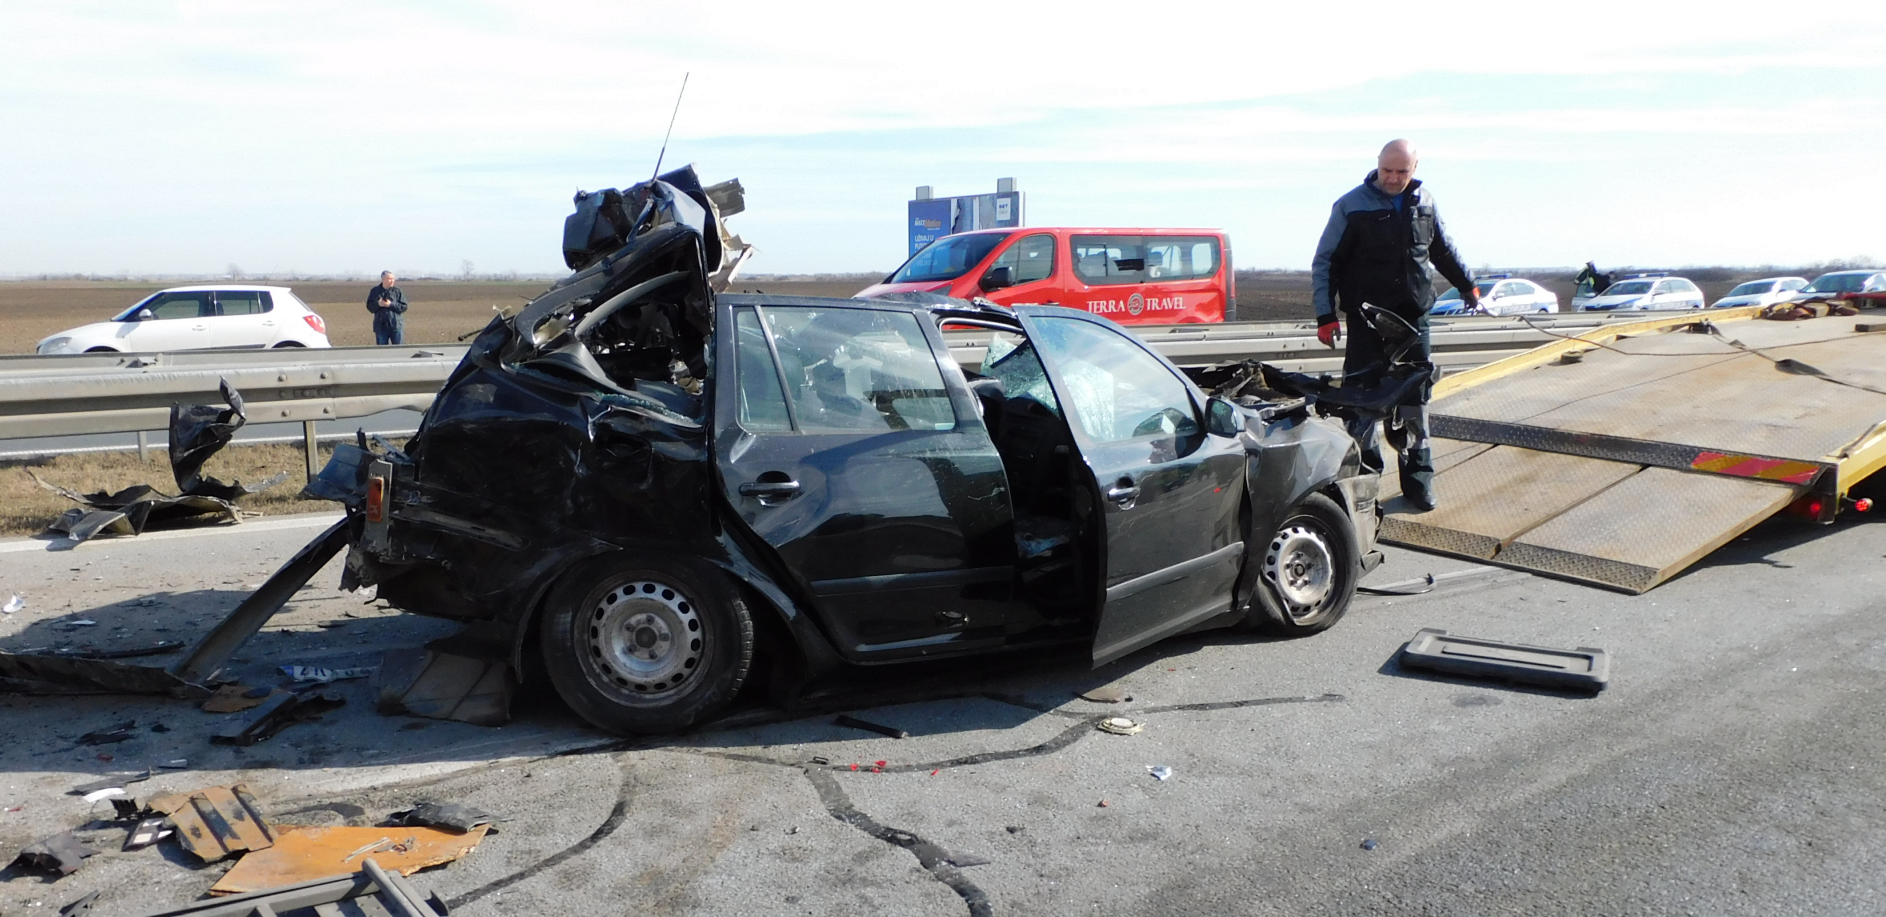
{"points": [[1501, 294], [1646, 294], [1764, 292], [197, 317]]}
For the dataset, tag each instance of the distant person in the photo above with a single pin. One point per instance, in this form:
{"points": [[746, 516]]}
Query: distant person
{"points": [[1376, 249], [1591, 281], [388, 305]]}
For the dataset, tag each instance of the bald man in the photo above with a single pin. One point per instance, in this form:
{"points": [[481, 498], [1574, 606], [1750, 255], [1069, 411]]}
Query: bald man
{"points": [[1376, 249]]}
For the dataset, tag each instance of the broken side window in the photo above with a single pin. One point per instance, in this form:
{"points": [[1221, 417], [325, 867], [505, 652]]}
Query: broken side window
{"points": [[858, 370]]}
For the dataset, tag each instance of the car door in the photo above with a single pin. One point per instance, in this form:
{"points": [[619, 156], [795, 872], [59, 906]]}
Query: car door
{"points": [[243, 319], [177, 320], [1168, 490], [849, 443], [1030, 261]]}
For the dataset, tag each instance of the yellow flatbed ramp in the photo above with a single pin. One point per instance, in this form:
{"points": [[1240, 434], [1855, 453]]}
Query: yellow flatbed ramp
{"points": [[1624, 455]]}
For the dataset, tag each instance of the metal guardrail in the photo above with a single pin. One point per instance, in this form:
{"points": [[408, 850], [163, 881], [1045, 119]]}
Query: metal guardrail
{"points": [[124, 392]]}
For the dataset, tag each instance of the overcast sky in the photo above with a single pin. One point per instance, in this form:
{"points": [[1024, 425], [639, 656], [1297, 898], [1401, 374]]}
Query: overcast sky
{"points": [[332, 137]]}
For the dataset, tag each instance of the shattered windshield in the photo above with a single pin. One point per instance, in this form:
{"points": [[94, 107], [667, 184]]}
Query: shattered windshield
{"points": [[948, 258]]}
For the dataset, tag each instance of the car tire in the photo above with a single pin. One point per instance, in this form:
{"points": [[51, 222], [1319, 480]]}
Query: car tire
{"points": [[100, 350], [1306, 571], [288, 344], [636, 645]]}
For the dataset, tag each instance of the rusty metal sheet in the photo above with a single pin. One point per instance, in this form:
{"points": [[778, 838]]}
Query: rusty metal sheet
{"points": [[304, 854], [217, 822]]}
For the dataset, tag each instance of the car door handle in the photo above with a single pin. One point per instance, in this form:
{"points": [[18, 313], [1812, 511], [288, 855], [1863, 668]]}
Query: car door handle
{"points": [[1124, 492], [764, 489]]}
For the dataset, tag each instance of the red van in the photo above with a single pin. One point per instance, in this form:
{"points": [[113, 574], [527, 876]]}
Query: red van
{"points": [[1133, 276]]}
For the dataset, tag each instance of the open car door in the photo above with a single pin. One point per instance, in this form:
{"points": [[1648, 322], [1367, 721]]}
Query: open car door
{"points": [[1169, 491]]}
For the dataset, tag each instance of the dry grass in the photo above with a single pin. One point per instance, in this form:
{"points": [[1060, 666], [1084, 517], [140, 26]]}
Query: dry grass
{"points": [[26, 507]]}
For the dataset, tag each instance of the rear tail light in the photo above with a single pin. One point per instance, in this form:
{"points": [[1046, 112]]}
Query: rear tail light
{"points": [[376, 499], [315, 321]]}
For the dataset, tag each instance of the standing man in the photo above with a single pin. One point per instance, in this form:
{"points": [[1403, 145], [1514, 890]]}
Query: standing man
{"points": [[1376, 249], [388, 305]]}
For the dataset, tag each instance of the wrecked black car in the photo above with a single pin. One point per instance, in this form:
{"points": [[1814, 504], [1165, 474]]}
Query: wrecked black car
{"points": [[660, 488]]}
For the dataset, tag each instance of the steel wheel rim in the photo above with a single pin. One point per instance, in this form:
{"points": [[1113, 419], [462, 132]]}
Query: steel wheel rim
{"points": [[1301, 569], [644, 639]]}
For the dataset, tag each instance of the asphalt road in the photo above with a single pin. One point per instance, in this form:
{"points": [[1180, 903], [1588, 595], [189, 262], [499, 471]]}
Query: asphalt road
{"points": [[1733, 766]]}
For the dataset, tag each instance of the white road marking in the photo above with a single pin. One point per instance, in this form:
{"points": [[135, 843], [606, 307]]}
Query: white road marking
{"points": [[299, 521]]}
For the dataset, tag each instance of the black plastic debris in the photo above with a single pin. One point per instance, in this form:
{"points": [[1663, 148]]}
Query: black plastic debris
{"points": [[1583, 669], [276, 714], [450, 815], [868, 726], [119, 733], [445, 686], [197, 431], [61, 853], [109, 781], [147, 832]]}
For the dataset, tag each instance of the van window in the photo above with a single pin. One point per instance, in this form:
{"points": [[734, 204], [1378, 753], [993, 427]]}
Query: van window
{"points": [[1030, 259], [1181, 257], [1103, 260], [948, 258]]}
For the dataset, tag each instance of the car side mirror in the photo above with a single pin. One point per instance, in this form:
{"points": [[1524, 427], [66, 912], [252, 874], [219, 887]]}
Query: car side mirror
{"points": [[1222, 418], [145, 315], [997, 278]]}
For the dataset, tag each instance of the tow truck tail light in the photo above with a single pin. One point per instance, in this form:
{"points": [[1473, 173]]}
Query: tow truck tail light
{"points": [[376, 499], [316, 322]]}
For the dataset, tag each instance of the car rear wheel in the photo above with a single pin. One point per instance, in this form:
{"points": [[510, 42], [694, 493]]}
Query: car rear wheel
{"points": [[288, 344], [1306, 572], [638, 647], [99, 350]]}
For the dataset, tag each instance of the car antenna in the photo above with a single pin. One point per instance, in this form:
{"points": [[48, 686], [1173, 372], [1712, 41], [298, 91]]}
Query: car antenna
{"points": [[671, 126]]}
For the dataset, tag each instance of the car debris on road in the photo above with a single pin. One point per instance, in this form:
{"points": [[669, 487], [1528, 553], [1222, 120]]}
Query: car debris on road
{"points": [[196, 433]]}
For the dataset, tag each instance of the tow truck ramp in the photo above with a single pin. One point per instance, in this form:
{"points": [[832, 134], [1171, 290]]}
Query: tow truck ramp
{"points": [[1626, 454]]}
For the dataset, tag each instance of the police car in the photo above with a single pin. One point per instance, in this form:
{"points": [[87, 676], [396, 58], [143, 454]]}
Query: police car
{"points": [[1644, 293], [1500, 294]]}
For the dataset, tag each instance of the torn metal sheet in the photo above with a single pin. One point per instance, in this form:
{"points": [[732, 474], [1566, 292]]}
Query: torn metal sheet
{"points": [[61, 853], [301, 854], [277, 713], [444, 686], [217, 822], [370, 891], [197, 431]]}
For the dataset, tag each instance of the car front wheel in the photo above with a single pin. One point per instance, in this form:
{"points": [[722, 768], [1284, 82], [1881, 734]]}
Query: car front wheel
{"points": [[639, 647], [1306, 572]]}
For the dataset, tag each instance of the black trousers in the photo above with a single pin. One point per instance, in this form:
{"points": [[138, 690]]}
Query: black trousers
{"points": [[1406, 428]]}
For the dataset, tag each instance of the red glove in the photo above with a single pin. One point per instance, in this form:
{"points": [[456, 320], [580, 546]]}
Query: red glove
{"points": [[1328, 332]]}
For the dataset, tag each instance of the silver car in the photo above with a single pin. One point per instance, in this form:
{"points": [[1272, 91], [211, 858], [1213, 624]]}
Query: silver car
{"points": [[1764, 292]]}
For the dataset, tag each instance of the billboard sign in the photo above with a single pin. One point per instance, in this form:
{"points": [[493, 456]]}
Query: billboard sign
{"points": [[932, 218]]}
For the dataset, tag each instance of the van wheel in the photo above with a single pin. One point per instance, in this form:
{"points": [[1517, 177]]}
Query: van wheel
{"points": [[1306, 572], [635, 646]]}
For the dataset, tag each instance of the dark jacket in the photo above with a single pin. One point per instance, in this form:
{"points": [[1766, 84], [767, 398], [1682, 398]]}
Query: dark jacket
{"points": [[1375, 253], [387, 305]]}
